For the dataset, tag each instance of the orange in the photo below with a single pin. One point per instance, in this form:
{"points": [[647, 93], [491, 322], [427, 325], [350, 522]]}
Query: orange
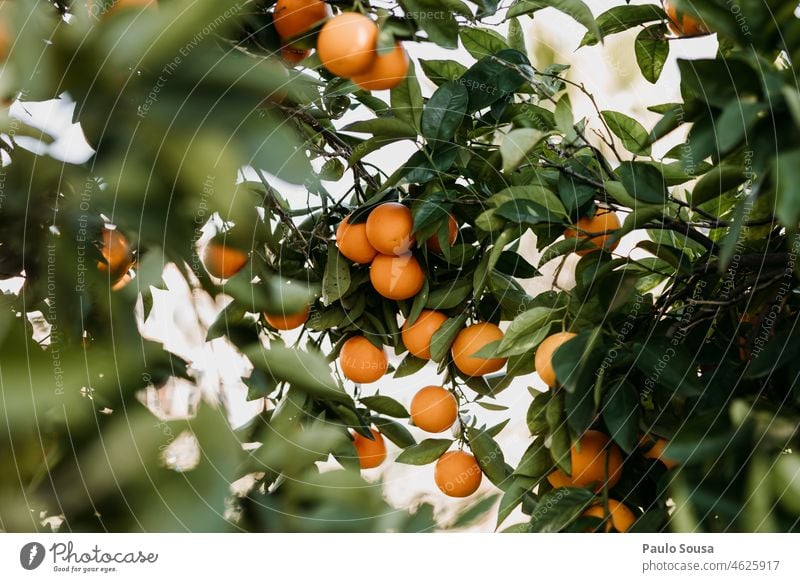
{"points": [[657, 452], [387, 71], [292, 56], [434, 409], [121, 282], [621, 520], [433, 242], [5, 38], [389, 228], [346, 44], [543, 360], [457, 474], [396, 277], [353, 243], [371, 453], [472, 339], [222, 261], [293, 18], [116, 251], [417, 337], [361, 361], [589, 463], [286, 322], [682, 24], [603, 221]]}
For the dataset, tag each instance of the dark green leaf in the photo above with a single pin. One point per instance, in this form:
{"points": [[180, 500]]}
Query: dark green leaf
{"points": [[424, 452], [385, 405]]}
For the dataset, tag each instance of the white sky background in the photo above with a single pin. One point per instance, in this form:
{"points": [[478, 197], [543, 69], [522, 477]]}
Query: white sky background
{"points": [[608, 71]]}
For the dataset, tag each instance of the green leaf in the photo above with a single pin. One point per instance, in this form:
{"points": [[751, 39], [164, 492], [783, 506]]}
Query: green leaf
{"points": [[535, 462], [513, 264], [515, 492], [410, 365], [651, 49], [406, 99], [558, 508], [481, 42], [440, 25], [621, 415], [450, 295], [445, 336], [621, 18], [424, 452], [494, 77], [579, 11], [536, 418], [788, 195], [516, 36], [680, 373], [526, 331], [644, 181], [539, 195], [489, 456], [394, 431], [516, 145], [716, 182], [306, 371], [385, 127], [630, 132], [385, 405], [442, 71], [336, 280], [443, 113]]}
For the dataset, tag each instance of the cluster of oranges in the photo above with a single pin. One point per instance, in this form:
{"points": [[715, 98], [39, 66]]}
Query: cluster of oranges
{"points": [[347, 44], [595, 460]]}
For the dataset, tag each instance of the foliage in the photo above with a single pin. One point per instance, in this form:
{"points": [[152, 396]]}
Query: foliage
{"points": [[193, 116]]}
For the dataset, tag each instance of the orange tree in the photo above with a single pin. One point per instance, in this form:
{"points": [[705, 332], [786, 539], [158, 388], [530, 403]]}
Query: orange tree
{"points": [[673, 399]]}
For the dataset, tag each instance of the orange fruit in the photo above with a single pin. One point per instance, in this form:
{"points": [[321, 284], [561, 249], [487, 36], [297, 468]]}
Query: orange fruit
{"points": [[346, 44], [433, 242], [387, 71], [589, 459], [396, 277], [657, 452], [434, 409], [121, 282], [5, 38], [371, 453], [351, 239], [116, 252], [472, 339], [621, 520], [286, 322], [457, 474], [682, 24], [543, 360], [603, 221], [417, 337], [292, 56], [389, 228], [361, 361], [222, 261], [293, 18]]}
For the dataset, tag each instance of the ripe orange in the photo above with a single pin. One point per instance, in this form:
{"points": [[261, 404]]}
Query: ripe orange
{"points": [[472, 339], [387, 71], [116, 252], [682, 24], [346, 44], [389, 228], [603, 221], [417, 337], [433, 242], [361, 361], [657, 452], [396, 277], [371, 453], [543, 360], [222, 261], [351, 239], [589, 463], [293, 18], [457, 474], [434, 409], [621, 520], [292, 56], [121, 282], [286, 322]]}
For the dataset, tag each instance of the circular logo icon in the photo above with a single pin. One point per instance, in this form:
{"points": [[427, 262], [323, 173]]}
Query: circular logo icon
{"points": [[31, 555]]}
